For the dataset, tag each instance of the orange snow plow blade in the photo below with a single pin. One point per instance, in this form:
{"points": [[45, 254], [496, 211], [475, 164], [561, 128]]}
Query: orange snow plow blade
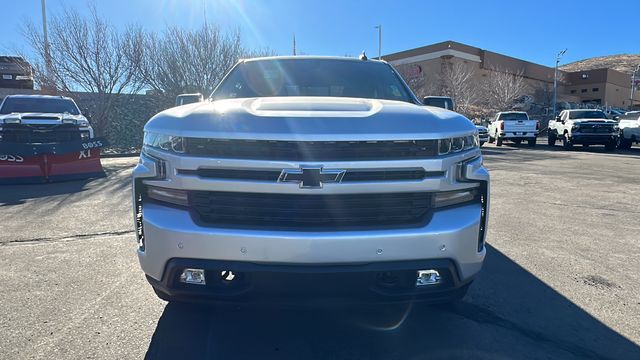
{"points": [[40, 163]]}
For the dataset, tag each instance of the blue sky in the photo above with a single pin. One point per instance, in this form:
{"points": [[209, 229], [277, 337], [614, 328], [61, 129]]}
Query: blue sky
{"points": [[530, 30]]}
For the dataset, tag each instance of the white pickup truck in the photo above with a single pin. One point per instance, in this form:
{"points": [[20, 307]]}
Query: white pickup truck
{"points": [[583, 126], [514, 126], [629, 129]]}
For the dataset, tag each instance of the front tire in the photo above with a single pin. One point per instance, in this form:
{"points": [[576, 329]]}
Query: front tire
{"points": [[532, 142], [498, 141], [566, 143], [611, 146], [624, 143], [552, 138]]}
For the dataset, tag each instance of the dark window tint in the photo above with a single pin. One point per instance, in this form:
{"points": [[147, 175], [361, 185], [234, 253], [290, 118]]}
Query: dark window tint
{"points": [[313, 77], [587, 114], [595, 89], [39, 105], [513, 116], [574, 91], [583, 90]]}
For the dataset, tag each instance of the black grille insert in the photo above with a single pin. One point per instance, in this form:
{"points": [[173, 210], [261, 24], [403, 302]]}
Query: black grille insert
{"points": [[40, 134], [312, 150], [357, 175], [233, 209]]}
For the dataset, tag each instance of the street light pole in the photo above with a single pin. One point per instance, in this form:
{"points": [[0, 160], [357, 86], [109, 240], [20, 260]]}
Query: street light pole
{"points": [[379, 27], [555, 81], [47, 56], [633, 85]]}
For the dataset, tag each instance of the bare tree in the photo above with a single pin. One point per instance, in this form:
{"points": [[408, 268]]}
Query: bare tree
{"points": [[184, 61], [87, 54], [457, 81], [415, 78], [501, 88]]}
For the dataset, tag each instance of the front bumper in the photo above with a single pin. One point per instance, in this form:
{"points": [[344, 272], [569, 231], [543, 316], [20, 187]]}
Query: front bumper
{"points": [[527, 135], [301, 284], [593, 139], [171, 233], [483, 137]]}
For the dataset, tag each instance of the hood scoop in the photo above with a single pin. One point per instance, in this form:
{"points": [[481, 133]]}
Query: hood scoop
{"points": [[301, 106]]}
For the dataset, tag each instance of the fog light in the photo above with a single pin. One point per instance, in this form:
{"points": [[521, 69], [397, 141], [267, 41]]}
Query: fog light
{"points": [[427, 277], [193, 276]]}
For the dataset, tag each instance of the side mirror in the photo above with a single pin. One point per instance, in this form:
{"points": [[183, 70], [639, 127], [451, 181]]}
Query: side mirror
{"points": [[184, 99], [558, 118]]}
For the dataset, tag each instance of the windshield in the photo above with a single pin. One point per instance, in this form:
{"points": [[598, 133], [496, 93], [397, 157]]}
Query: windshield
{"points": [[313, 77], [587, 114], [513, 116], [39, 105]]}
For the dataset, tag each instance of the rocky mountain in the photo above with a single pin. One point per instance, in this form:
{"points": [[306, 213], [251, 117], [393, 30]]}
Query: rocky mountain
{"points": [[623, 62]]}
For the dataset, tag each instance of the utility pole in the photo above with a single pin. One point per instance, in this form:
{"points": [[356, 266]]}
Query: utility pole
{"points": [[555, 81], [47, 55], [294, 44], [379, 27], [633, 85]]}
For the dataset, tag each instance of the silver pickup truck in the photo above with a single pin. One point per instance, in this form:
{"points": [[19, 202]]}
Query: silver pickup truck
{"points": [[310, 178]]}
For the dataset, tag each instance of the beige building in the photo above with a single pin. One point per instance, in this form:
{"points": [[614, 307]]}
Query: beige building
{"points": [[605, 87]]}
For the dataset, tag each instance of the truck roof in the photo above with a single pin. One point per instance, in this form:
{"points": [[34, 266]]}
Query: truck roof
{"points": [[38, 97], [309, 57]]}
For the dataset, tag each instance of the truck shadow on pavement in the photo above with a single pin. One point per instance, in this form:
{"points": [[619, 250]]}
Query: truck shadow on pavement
{"points": [[17, 194], [508, 314]]}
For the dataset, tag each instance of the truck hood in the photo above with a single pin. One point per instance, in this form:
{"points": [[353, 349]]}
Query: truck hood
{"points": [[42, 118], [310, 118]]}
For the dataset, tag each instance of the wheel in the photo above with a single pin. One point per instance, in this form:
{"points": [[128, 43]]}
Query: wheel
{"points": [[498, 141], [532, 142], [624, 143], [566, 143], [481, 143], [611, 146], [552, 138]]}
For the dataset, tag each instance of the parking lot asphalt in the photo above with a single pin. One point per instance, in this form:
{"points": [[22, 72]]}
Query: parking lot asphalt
{"points": [[560, 281]]}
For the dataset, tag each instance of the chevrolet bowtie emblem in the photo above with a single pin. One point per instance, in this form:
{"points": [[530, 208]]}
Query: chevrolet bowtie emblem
{"points": [[310, 177]]}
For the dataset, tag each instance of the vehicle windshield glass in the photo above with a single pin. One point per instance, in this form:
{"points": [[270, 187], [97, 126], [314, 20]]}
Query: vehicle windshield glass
{"points": [[313, 77], [39, 105], [513, 116], [587, 114], [444, 103]]}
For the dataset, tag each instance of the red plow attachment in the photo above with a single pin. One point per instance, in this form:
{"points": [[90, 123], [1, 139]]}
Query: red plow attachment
{"points": [[41, 163]]}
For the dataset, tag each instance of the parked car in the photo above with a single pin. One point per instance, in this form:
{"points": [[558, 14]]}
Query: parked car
{"points": [[583, 126], [15, 72], [514, 126], [483, 134], [46, 138], [629, 125], [310, 175]]}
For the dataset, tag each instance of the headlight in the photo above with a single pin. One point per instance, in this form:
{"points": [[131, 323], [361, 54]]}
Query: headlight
{"points": [[82, 122], [456, 144], [12, 121], [164, 142]]}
